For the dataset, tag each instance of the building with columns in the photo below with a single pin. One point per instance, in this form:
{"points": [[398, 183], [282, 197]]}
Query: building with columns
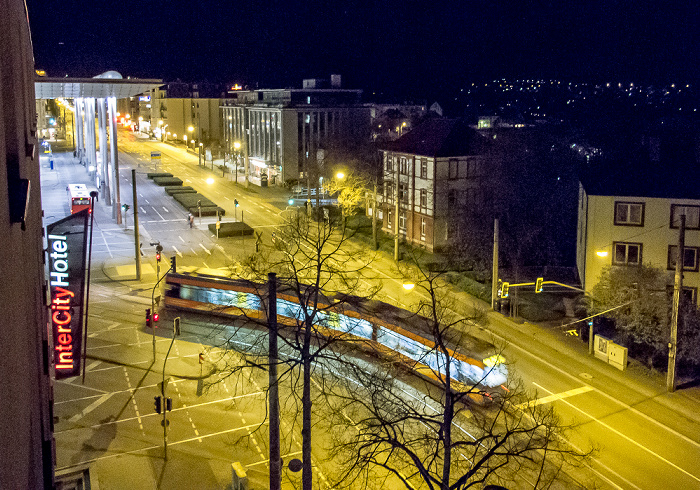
{"points": [[281, 130]]}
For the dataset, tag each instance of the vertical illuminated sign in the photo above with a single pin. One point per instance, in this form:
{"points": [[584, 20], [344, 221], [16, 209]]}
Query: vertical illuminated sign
{"points": [[67, 244]]}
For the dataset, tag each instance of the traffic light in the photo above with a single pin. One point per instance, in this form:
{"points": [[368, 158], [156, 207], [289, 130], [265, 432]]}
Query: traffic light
{"points": [[159, 249], [504, 291], [156, 317], [173, 263], [169, 404], [235, 202], [538, 284], [148, 317], [158, 256], [176, 326], [125, 207], [157, 403]]}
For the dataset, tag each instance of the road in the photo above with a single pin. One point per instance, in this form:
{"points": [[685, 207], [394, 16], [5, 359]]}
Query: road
{"points": [[645, 437]]}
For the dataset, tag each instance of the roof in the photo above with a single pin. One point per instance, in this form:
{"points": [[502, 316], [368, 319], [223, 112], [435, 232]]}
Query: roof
{"points": [[52, 88], [440, 138]]}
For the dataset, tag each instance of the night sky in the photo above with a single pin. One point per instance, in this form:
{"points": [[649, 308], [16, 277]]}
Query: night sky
{"points": [[409, 48]]}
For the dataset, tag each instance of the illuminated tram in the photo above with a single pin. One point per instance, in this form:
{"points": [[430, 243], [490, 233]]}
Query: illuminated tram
{"points": [[79, 197], [236, 298]]}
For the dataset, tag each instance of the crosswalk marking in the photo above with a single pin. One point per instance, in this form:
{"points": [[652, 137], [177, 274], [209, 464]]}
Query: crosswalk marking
{"points": [[555, 397]]}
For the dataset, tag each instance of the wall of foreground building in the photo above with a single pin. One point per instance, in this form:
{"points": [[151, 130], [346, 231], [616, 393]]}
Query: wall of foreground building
{"points": [[25, 421]]}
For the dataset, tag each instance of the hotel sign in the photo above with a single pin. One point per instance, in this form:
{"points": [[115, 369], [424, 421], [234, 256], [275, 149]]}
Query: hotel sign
{"points": [[67, 244]]}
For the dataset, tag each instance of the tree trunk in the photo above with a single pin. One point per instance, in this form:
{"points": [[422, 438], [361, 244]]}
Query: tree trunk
{"points": [[306, 476], [448, 414]]}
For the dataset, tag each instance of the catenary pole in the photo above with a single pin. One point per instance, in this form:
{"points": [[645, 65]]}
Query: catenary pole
{"points": [[275, 461], [677, 295]]}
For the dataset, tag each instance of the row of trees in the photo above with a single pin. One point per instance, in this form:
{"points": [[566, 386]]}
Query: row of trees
{"points": [[379, 419]]}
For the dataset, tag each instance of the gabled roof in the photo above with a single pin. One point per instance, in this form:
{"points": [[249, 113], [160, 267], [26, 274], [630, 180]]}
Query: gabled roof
{"points": [[440, 138]]}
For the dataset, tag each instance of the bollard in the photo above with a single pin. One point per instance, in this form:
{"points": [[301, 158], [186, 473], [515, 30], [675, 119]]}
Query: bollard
{"points": [[239, 478]]}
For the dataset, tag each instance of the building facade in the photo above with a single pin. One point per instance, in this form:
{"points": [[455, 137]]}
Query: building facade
{"points": [[282, 131], [431, 175], [26, 427], [629, 230]]}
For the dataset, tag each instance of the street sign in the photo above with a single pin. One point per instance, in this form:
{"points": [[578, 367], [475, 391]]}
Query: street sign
{"points": [[155, 155]]}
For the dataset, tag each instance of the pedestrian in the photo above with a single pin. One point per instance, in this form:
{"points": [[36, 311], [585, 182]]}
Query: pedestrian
{"points": [[190, 220]]}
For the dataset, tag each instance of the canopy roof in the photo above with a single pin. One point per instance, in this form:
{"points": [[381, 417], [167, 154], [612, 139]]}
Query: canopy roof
{"points": [[99, 88]]}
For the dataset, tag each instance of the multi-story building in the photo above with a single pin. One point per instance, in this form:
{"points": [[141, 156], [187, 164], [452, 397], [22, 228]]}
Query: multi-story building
{"points": [[635, 220], [177, 112], [26, 431], [430, 174], [282, 130]]}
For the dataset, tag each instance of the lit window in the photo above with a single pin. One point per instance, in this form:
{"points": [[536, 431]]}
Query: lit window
{"points": [[692, 216], [690, 258], [629, 213], [403, 166], [422, 228], [402, 221], [627, 253]]}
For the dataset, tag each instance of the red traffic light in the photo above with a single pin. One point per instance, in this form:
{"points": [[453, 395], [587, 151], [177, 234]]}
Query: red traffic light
{"points": [[158, 256], [156, 317]]}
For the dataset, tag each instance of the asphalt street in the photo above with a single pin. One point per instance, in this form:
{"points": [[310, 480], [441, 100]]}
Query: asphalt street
{"points": [[646, 438]]}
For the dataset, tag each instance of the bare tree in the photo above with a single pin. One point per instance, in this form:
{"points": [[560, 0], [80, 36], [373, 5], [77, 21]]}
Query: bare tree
{"points": [[316, 267], [459, 431]]}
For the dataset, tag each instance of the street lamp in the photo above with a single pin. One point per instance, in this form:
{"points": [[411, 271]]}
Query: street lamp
{"points": [[237, 147], [201, 146]]}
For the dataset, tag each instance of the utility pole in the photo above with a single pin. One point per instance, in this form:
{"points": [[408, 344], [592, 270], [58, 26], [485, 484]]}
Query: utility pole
{"points": [[494, 272], [136, 226], [677, 295], [275, 458]]}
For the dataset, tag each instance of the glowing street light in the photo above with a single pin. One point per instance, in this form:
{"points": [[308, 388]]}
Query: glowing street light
{"points": [[408, 286], [340, 175]]}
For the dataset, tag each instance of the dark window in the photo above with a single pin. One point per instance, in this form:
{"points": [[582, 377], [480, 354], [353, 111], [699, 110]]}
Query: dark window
{"points": [[629, 213], [692, 216], [423, 198], [689, 294], [690, 258], [627, 253], [423, 169], [451, 199], [403, 192], [473, 169], [403, 166], [453, 168], [389, 164]]}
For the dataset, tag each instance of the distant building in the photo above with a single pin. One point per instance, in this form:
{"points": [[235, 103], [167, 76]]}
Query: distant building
{"points": [[282, 130], [429, 174], [632, 217], [176, 107]]}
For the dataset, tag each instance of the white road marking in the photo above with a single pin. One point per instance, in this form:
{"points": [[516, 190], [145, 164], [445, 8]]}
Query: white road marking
{"points": [[161, 216], [91, 407], [555, 397], [143, 210], [627, 438], [179, 254], [165, 209], [181, 239], [205, 249]]}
